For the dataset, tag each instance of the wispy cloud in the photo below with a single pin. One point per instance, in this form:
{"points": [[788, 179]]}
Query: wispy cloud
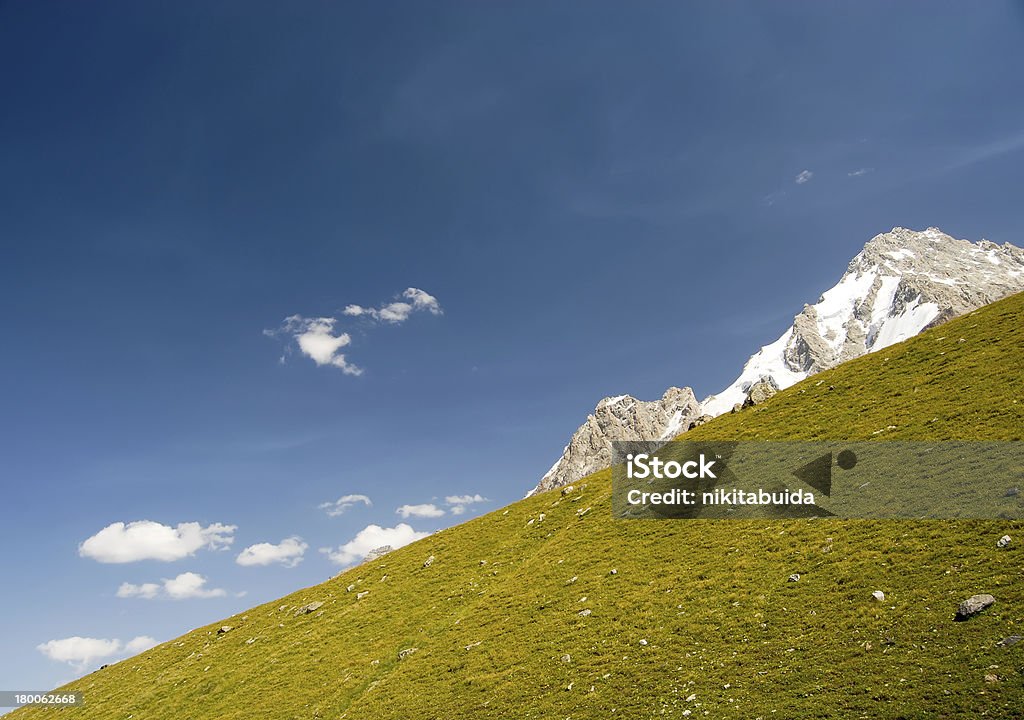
{"points": [[859, 172], [803, 177], [398, 311], [987, 151], [458, 504], [339, 506], [318, 338], [425, 510], [147, 540]]}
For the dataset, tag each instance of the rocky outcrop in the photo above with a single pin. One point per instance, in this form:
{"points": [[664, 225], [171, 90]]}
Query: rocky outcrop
{"points": [[378, 553], [622, 418], [760, 392]]}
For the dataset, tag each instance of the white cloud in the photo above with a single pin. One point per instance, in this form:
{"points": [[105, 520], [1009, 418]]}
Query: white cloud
{"points": [[140, 644], [147, 540], [190, 585], [316, 340], [185, 586], [147, 591], [80, 652], [336, 508], [803, 177], [371, 537], [398, 311], [426, 510], [460, 503], [859, 171], [288, 552]]}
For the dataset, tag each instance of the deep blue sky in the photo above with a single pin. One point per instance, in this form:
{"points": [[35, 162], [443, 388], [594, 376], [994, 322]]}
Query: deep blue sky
{"points": [[602, 197]]}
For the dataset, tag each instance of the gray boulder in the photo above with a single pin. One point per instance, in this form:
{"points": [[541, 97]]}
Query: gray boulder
{"points": [[307, 609], [973, 605], [760, 391], [1004, 541]]}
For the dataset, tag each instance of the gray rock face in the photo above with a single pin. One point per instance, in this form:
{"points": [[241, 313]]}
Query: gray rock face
{"points": [[760, 391], [622, 418], [973, 605], [378, 553]]}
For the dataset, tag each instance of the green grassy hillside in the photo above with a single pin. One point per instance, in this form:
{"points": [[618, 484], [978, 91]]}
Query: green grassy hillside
{"points": [[687, 618]]}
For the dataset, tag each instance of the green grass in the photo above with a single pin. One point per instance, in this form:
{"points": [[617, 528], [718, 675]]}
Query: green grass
{"points": [[709, 597]]}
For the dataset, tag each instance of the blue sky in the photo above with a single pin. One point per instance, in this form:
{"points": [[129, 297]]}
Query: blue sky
{"points": [[597, 201]]}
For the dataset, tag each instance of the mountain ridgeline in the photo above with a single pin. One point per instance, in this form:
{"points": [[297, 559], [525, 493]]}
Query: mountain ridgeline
{"points": [[550, 608], [902, 282]]}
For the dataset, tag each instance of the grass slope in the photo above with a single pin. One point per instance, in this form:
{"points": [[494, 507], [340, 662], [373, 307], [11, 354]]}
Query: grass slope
{"points": [[726, 635]]}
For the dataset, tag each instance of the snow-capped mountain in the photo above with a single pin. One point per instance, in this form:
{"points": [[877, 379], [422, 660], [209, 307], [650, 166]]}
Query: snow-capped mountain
{"points": [[902, 282]]}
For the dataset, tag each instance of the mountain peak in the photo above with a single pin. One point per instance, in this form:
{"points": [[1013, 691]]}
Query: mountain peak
{"points": [[900, 283]]}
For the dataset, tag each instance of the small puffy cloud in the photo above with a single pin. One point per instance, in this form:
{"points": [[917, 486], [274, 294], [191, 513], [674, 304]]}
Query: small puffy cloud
{"points": [[425, 510], [803, 177], [147, 540], [147, 591], [859, 171], [396, 312], [370, 538], [185, 586], [80, 652], [459, 503], [316, 340], [288, 552], [339, 506]]}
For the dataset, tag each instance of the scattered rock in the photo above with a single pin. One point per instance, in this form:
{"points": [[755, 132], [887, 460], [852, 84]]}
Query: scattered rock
{"points": [[473, 645], [991, 678], [530, 521], [613, 571], [1010, 641], [581, 513], [644, 643], [567, 489], [736, 408], [250, 641], [878, 596], [584, 613], [567, 658], [378, 553], [571, 580], [972, 606], [104, 666], [1004, 541], [364, 593], [428, 562], [760, 391], [307, 609], [1012, 492], [350, 588], [403, 654], [795, 577], [225, 629], [541, 517], [483, 562], [702, 420]]}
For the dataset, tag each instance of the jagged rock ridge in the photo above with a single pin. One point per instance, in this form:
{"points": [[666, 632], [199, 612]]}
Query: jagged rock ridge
{"points": [[901, 283], [620, 418]]}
